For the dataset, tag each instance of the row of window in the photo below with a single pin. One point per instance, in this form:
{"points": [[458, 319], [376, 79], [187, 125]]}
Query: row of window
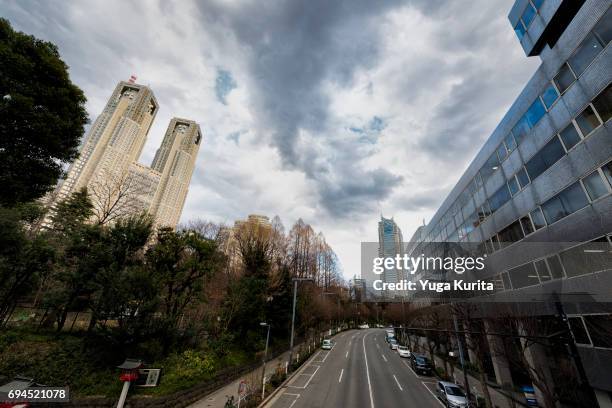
{"points": [[552, 152], [573, 198], [586, 121], [596, 113], [586, 258], [527, 17], [593, 330]]}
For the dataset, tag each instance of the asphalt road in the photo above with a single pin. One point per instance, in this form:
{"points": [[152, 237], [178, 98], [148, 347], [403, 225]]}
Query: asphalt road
{"points": [[360, 371]]}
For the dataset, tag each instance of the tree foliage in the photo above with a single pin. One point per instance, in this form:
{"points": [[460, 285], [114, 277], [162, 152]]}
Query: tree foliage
{"points": [[42, 116]]}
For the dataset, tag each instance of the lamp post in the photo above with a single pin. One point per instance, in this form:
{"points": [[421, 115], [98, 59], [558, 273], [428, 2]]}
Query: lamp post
{"points": [[295, 283], [129, 373], [263, 371]]}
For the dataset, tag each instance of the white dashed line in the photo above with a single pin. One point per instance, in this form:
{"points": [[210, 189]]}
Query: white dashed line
{"points": [[397, 382], [365, 354], [431, 392], [384, 358], [340, 378], [346, 355]]}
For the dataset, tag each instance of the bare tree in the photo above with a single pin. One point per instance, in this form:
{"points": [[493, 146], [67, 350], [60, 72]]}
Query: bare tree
{"points": [[115, 197]]}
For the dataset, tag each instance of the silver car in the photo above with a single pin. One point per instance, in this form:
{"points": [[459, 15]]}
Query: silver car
{"points": [[452, 395]]}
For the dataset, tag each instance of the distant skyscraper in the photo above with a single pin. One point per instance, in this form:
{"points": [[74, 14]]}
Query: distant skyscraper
{"points": [[108, 163], [390, 244]]}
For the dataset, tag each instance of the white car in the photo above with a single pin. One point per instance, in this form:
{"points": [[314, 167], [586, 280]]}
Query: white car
{"points": [[393, 344], [403, 351], [327, 344]]}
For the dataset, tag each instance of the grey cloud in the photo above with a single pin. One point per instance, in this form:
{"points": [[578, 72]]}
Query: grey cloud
{"points": [[294, 48]]}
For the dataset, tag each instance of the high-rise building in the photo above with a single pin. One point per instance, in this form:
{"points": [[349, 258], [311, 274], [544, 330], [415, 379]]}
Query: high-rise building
{"points": [[390, 244], [108, 162], [545, 176]]}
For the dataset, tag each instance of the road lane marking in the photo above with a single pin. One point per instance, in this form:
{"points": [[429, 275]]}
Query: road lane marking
{"points": [[340, 378], [377, 346], [397, 382], [431, 392], [346, 356], [384, 358], [365, 354], [313, 374], [406, 364]]}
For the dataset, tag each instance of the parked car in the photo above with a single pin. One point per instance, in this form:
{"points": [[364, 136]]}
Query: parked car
{"points": [[393, 344], [364, 326], [451, 395], [420, 364], [403, 351], [327, 344]]}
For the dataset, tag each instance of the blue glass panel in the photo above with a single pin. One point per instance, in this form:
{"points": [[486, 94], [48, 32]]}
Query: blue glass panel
{"points": [[519, 29], [528, 14], [535, 112], [520, 130], [550, 95]]}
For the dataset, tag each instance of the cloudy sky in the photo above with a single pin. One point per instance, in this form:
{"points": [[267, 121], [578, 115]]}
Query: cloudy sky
{"points": [[332, 111]]}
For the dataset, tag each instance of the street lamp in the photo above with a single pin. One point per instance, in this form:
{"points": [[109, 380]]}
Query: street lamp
{"points": [[295, 282], [263, 371]]}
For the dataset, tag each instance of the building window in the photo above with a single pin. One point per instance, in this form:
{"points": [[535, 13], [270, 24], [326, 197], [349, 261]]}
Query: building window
{"points": [[519, 29], [546, 157], [587, 121], [564, 78], [510, 142], [603, 29], [569, 136], [527, 225], [520, 129], [585, 54], [528, 14], [523, 276], [490, 166], [565, 203], [595, 186], [543, 272], [579, 330], [549, 96], [587, 258], [538, 218], [513, 185], [535, 112], [500, 198], [603, 103], [555, 267], [522, 177], [512, 233], [599, 328]]}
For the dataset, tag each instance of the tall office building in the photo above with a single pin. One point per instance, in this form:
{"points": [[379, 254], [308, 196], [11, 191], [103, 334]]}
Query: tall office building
{"points": [[390, 244], [108, 162], [545, 176]]}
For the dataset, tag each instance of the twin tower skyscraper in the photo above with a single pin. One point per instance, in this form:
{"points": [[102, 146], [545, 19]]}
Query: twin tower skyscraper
{"points": [[108, 162]]}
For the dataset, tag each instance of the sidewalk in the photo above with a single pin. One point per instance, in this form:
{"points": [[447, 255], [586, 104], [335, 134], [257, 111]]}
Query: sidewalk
{"points": [[218, 398]]}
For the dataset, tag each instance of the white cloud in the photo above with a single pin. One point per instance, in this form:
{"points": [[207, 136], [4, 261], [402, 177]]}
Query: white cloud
{"points": [[439, 74]]}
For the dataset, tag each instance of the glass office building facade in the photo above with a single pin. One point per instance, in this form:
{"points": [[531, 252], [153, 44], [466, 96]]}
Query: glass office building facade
{"points": [[545, 175]]}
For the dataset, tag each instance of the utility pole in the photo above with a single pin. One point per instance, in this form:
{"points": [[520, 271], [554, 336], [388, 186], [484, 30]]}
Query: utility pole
{"points": [[461, 358], [263, 370]]}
